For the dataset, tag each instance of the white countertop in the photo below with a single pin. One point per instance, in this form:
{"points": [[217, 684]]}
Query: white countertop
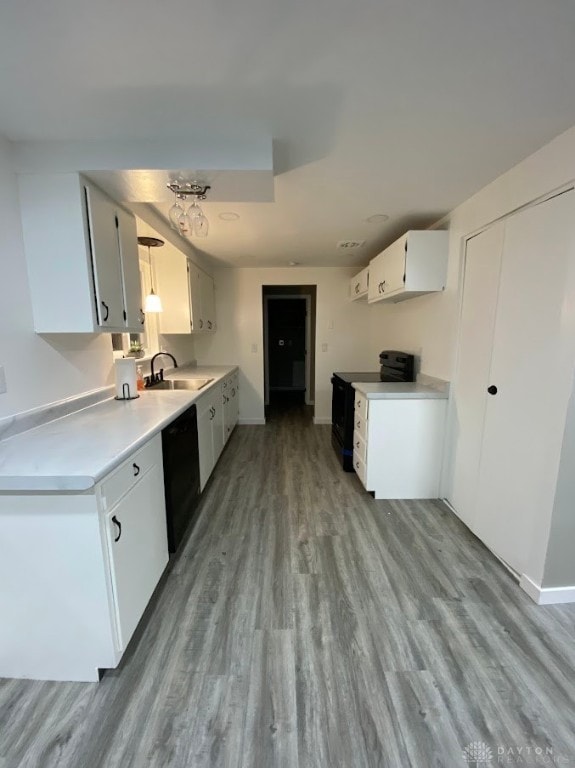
{"points": [[427, 389], [75, 452]]}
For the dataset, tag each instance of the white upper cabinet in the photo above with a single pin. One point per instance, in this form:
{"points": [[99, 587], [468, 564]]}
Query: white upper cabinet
{"points": [[128, 239], [208, 301], [358, 285], [187, 294], [82, 256], [413, 265]]}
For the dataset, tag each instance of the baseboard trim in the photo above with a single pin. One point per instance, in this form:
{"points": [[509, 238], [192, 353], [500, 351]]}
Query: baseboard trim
{"points": [[547, 595], [248, 422], [321, 420]]}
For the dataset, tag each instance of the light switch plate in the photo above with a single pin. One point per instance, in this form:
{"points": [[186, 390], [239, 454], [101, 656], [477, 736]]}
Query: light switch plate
{"points": [[324, 347], [254, 349], [2, 380]]}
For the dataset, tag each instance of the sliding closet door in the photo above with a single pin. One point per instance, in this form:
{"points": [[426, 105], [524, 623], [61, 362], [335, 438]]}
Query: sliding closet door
{"points": [[529, 379], [480, 289]]}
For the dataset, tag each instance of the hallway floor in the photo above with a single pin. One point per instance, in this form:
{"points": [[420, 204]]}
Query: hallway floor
{"points": [[307, 625]]}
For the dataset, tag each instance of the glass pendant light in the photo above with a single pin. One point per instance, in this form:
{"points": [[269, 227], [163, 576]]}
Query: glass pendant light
{"points": [[152, 302]]}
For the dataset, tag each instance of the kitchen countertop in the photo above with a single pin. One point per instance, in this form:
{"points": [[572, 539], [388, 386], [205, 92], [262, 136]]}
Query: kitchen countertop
{"points": [[426, 388], [73, 453]]}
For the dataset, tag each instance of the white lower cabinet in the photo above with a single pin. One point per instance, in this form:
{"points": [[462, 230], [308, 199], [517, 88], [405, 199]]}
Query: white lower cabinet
{"points": [[136, 539], [218, 411], [397, 446], [210, 431], [83, 568], [231, 398]]}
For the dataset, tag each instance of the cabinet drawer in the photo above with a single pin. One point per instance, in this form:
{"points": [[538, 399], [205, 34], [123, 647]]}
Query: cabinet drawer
{"points": [[360, 468], [360, 425], [360, 446], [361, 405], [119, 482]]}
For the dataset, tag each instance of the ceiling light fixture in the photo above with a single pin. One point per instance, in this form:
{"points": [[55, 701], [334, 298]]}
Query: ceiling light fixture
{"points": [[229, 216], [193, 221], [152, 302], [377, 218]]}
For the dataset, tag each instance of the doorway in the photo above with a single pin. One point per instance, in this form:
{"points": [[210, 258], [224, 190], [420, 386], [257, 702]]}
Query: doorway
{"points": [[289, 346]]}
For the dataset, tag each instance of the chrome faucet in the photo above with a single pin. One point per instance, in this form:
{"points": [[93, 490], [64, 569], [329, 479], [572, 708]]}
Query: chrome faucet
{"points": [[154, 378]]}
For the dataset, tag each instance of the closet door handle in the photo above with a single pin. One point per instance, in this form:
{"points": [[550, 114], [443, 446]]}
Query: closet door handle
{"points": [[107, 308], [136, 469], [209, 325], [201, 324], [492, 389], [119, 524], [142, 317]]}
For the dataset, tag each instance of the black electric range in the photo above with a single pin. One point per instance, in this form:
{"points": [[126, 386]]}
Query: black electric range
{"points": [[395, 367]]}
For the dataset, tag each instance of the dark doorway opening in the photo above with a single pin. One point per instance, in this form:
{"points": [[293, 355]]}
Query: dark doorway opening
{"points": [[289, 347]]}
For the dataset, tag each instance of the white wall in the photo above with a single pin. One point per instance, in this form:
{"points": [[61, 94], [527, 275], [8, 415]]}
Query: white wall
{"points": [[38, 369], [240, 325]]}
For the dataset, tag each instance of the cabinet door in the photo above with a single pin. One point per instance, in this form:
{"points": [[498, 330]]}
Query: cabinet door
{"points": [[206, 416], [138, 549], [218, 422], [376, 278], [235, 400], [359, 284], [128, 239], [172, 283], [208, 301], [394, 266], [195, 289], [531, 366], [105, 250]]}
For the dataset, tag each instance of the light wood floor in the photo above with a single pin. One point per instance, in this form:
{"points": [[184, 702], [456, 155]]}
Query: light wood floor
{"points": [[305, 625]]}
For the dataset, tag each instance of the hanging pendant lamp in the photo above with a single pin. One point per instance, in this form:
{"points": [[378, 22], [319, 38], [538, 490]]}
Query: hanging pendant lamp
{"points": [[152, 302]]}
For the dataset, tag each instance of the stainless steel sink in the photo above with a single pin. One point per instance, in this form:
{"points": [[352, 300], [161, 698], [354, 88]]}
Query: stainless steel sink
{"points": [[190, 384]]}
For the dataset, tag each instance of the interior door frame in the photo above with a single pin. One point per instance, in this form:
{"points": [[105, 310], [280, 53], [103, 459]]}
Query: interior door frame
{"points": [[301, 297]]}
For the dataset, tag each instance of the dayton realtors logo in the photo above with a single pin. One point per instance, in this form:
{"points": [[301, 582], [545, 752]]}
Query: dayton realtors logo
{"points": [[479, 753]]}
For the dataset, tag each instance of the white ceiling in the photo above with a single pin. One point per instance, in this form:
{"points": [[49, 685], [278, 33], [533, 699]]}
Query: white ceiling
{"points": [[374, 106]]}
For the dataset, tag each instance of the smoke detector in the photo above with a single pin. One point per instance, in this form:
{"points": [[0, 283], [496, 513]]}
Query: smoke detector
{"points": [[350, 245]]}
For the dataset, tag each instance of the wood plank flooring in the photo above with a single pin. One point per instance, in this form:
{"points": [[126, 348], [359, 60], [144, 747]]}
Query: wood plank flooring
{"points": [[306, 625]]}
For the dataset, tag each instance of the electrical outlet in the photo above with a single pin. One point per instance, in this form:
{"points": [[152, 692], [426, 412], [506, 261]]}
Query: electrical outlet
{"points": [[254, 349], [2, 380]]}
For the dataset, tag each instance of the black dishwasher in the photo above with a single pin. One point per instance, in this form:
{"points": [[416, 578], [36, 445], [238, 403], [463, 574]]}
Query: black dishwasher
{"points": [[181, 474]]}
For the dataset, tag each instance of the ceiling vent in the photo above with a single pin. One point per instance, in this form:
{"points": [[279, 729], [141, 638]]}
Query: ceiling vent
{"points": [[349, 245]]}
